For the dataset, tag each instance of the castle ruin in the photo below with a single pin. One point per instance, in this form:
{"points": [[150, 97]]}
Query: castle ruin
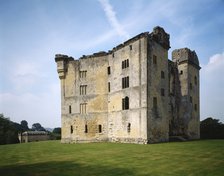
{"points": [[131, 94]]}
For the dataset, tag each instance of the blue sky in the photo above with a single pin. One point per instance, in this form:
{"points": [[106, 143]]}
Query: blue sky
{"points": [[33, 31]]}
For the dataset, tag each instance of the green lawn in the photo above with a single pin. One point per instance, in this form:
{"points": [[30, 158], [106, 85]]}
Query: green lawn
{"points": [[52, 158]]}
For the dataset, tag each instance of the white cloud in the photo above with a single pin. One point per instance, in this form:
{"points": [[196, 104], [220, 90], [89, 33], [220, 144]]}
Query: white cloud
{"points": [[41, 108], [212, 84], [111, 16], [24, 74]]}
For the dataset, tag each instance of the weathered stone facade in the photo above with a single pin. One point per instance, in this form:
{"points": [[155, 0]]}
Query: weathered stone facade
{"points": [[131, 93]]}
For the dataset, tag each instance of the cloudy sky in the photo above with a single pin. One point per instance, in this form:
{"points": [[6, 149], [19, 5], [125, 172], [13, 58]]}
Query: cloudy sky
{"points": [[33, 31]]}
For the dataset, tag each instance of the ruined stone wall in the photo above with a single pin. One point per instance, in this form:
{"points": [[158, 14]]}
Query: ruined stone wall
{"points": [[135, 116], [161, 94], [85, 100], [158, 128], [186, 119]]}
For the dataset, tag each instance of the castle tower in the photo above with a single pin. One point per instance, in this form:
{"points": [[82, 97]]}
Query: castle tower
{"points": [[66, 107], [188, 112]]}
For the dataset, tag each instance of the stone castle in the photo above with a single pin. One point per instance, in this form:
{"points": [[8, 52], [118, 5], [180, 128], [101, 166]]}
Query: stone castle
{"points": [[131, 94]]}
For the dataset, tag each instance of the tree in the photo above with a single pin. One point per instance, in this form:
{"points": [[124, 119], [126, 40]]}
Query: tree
{"points": [[211, 129], [57, 130], [37, 127], [8, 132], [56, 134], [24, 125]]}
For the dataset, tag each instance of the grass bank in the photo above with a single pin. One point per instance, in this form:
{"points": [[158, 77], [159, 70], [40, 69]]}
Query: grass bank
{"points": [[204, 157]]}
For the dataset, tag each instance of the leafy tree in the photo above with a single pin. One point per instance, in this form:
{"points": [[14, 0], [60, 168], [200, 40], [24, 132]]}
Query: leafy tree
{"points": [[24, 125], [211, 129], [57, 130], [37, 127], [56, 134], [8, 132]]}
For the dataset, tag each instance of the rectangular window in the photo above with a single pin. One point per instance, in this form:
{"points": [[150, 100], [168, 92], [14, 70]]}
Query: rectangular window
{"points": [[195, 107], [86, 129], [71, 129], [125, 82], [108, 70], [82, 74], [130, 46], [108, 86], [125, 64], [154, 102], [191, 99], [181, 72], [125, 103], [154, 59], [162, 92], [70, 109], [195, 80], [83, 89], [100, 128], [113, 55], [129, 128], [83, 108]]}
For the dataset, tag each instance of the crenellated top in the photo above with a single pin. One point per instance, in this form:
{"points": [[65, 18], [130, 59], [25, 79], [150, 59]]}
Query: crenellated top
{"points": [[160, 36], [185, 55]]}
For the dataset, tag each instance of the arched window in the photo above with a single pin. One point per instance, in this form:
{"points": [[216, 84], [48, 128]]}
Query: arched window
{"points": [[125, 103]]}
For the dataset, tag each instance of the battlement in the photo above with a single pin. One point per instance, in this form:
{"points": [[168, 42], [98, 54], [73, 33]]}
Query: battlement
{"points": [[185, 55], [159, 35]]}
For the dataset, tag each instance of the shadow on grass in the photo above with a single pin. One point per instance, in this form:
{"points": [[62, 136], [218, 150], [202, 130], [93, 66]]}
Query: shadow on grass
{"points": [[62, 168]]}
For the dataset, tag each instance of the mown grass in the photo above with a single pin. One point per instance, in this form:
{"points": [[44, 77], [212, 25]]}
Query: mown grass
{"points": [[52, 158]]}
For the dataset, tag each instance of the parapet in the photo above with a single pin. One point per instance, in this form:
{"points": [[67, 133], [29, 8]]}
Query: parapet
{"points": [[160, 36], [60, 57], [185, 55]]}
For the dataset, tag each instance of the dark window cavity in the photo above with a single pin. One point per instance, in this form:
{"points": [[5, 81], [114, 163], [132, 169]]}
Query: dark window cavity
{"points": [[83, 108], [71, 129], [162, 92], [83, 89], [82, 74], [108, 70], [125, 103], [125, 82], [70, 109], [108, 86], [154, 102], [86, 129], [100, 128], [154, 59], [195, 107], [129, 128], [195, 80], [125, 64]]}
